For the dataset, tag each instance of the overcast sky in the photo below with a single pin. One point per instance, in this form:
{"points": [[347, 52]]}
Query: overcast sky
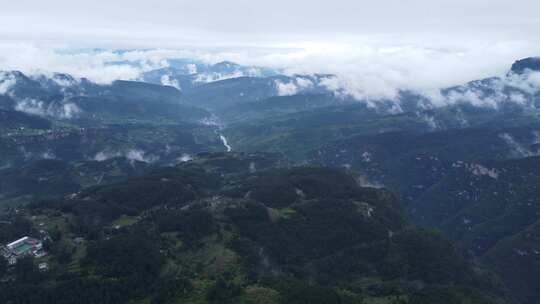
{"points": [[423, 43], [251, 21]]}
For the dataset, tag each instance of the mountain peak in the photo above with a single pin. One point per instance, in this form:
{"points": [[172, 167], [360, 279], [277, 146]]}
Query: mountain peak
{"points": [[530, 63], [226, 64]]}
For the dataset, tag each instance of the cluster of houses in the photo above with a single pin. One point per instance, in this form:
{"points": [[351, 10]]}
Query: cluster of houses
{"points": [[24, 247]]}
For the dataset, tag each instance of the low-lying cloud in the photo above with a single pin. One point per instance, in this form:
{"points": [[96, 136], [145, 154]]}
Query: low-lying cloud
{"points": [[514, 88], [295, 85], [38, 107], [101, 66], [132, 155], [166, 80], [6, 82], [367, 69], [286, 88]]}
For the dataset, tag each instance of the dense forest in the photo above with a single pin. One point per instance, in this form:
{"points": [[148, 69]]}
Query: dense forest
{"points": [[215, 230]]}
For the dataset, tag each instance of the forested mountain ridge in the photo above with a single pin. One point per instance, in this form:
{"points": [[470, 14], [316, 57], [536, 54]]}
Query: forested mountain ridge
{"points": [[75, 120], [236, 228]]}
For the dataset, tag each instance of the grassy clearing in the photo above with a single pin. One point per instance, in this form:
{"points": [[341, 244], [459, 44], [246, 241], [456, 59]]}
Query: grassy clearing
{"points": [[124, 221]]}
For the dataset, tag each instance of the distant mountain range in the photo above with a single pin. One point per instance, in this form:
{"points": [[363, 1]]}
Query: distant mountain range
{"points": [[70, 119]]}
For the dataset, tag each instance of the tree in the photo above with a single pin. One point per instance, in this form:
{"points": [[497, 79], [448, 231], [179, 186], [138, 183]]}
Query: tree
{"points": [[63, 254], [26, 271], [223, 291], [3, 266], [130, 256]]}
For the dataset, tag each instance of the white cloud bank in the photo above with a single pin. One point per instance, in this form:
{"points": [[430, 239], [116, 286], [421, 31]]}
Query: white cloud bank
{"points": [[374, 47], [296, 85], [97, 65], [37, 107], [370, 70]]}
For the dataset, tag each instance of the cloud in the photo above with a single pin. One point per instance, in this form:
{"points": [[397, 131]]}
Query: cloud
{"points": [[192, 68], [132, 155], [375, 48], [430, 121], [211, 77], [141, 156], [203, 22], [31, 106], [184, 158], [48, 155], [69, 111], [518, 149], [286, 89], [528, 82], [367, 68], [6, 82], [380, 71], [493, 92], [99, 66], [294, 86], [304, 83], [37, 107], [166, 80], [105, 155]]}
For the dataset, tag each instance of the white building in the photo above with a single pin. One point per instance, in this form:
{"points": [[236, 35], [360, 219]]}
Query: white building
{"points": [[24, 247]]}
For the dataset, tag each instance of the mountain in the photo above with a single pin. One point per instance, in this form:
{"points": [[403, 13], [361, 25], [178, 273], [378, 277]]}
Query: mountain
{"points": [[222, 94], [64, 97], [280, 105], [462, 162], [186, 75], [304, 122], [516, 258], [74, 120], [514, 99], [490, 209], [410, 163], [297, 134], [238, 228], [15, 120], [55, 178], [521, 66], [226, 84]]}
